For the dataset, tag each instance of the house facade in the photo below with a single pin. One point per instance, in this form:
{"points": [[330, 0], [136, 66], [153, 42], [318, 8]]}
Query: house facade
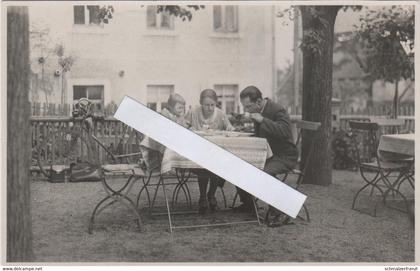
{"points": [[148, 55]]}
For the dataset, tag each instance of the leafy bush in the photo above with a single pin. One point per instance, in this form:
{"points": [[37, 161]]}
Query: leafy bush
{"points": [[343, 151]]}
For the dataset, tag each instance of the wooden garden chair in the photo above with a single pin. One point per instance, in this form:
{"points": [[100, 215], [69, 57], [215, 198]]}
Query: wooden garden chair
{"points": [[274, 217], [119, 163]]}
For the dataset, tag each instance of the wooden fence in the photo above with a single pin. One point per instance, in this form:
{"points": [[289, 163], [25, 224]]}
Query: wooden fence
{"points": [[61, 141], [406, 109], [65, 110]]}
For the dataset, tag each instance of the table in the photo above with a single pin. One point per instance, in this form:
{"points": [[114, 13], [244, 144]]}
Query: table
{"points": [[254, 150], [398, 147], [398, 143], [251, 149]]}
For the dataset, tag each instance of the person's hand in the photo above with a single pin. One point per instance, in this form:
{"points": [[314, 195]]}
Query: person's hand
{"points": [[257, 117]]}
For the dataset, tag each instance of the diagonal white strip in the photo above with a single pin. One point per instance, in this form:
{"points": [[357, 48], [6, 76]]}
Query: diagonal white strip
{"points": [[220, 162]]}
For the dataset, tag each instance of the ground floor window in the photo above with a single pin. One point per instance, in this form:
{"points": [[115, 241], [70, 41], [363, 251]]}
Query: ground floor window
{"points": [[227, 98], [157, 96], [94, 93]]}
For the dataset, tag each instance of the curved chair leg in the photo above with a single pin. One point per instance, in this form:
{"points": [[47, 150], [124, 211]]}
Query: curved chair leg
{"points": [[369, 182], [182, 177], [155, 194], [92, 217], [392, 188], [234, 199], [224, 196], [176, 193], [116, 196], [144, 187], [131, 206], [307, 213]]}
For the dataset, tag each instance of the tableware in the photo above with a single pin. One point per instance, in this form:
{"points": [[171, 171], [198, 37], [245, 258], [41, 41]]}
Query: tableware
{"points": [[233, 134]]}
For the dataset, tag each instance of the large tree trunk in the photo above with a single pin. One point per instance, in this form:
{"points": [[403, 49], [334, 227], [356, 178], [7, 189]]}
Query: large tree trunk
{"points": [[318, 40], [19, 231]]}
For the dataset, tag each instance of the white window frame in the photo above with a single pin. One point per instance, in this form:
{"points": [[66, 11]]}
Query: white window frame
{"points": [[158, 20], [87, 17], [89, 82], [94, 101], [223, 29], [223, 95], [160, 97]]}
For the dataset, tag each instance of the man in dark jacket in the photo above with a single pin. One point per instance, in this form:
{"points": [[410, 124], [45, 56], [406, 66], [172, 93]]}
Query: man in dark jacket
{"points": [[271, 122]]}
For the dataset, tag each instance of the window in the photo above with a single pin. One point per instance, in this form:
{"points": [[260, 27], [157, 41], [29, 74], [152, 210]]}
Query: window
{"points": [[157, 96], [94, 93], [227, 96], [225, 19], [161, 20], [85, 15]]}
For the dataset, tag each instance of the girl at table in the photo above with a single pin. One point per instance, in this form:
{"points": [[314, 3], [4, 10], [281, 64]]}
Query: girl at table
{"points": [[208, 117], [175, 112]]}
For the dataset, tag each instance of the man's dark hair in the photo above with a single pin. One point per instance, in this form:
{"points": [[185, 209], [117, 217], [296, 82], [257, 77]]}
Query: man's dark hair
{"points": [[252, 92]]}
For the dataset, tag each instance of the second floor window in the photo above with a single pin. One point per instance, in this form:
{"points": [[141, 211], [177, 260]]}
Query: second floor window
{"points": [[161, 20], [225, 19], [85, 15]]}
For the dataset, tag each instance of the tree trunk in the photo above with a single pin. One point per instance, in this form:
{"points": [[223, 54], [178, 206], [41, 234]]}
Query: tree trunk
{"points": [[19, 231], [369, 91], [318, 40]]}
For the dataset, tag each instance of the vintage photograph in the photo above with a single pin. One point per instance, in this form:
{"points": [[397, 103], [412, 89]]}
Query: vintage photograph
{"points": [[317, 97]]}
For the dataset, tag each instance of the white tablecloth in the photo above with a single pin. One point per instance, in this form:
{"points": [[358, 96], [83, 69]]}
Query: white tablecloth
{"points": [[396, 147], [399, 143], [254, 150]]}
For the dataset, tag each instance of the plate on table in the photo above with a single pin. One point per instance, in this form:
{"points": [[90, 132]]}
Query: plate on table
{"points": [[204, 133], [234, 134]]}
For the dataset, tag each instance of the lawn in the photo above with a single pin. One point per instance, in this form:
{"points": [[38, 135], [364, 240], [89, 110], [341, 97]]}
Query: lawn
{"points": [[336, 233]]}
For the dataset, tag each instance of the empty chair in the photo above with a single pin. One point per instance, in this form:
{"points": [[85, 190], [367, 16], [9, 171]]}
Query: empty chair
{"points": [[378, 175]]}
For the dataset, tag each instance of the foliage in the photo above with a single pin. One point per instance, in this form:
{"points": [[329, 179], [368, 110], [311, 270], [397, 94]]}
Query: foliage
{"points": [[313, 39], [380, 35], [65, 62], [180, 11], [183, 12], [105, 13], [343, 151]]}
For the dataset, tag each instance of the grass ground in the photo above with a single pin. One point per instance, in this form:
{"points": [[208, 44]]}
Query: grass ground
{"points": [[336, 233]]}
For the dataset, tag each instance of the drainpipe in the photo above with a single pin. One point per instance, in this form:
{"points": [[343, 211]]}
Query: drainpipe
{"points": [[273, 53]]}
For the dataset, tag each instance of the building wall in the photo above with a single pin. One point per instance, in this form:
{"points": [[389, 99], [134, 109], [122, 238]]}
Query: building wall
{"points": [[191, 57]]}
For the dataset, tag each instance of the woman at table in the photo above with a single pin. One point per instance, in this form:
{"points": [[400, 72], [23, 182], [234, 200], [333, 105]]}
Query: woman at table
{"points": [[208, 117]]}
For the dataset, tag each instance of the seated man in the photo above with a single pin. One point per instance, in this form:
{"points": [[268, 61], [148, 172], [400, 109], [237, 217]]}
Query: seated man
{"points": [[271, 122]]}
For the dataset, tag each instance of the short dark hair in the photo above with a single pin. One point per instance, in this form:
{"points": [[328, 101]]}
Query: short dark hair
{"points": [[208, 93], [252, 92]]}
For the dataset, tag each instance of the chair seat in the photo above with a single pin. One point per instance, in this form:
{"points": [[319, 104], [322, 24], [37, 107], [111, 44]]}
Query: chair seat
{"points": [[384, 165], [124, 168]]}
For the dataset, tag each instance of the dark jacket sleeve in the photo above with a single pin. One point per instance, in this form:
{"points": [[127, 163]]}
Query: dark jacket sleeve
{"points": [[279, 127]]}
